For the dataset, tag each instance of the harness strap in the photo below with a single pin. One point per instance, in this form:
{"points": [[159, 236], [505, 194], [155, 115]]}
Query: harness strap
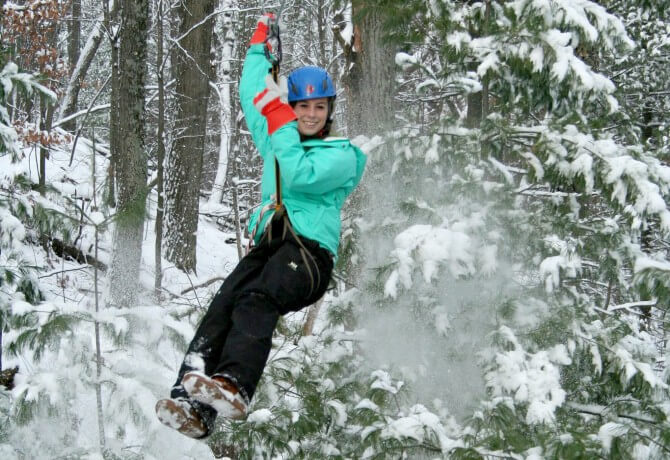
{"points": [[287, 228], [304, 252], [278, 206]]}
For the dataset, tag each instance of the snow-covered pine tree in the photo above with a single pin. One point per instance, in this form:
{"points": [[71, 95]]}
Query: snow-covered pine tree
{"points": [[52, 334], [18, 282], [554, 193], [81, 386]]}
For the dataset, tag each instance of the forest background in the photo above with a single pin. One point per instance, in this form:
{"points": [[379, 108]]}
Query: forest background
{"points": [[503, 280]]}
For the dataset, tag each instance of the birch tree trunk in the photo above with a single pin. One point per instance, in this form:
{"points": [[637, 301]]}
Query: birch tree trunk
{"points": [[224, 75], [160, 155], [131, 164], [184, 163]]}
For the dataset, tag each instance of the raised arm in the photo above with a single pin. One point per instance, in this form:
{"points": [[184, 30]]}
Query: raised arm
{"points": [[255, 68]]}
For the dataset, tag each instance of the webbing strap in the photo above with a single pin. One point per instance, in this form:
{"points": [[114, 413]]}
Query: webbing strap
{"points": [[304, 252], [278, 194]]}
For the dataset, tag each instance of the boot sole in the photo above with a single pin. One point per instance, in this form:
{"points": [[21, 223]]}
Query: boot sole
{"points": [[173, 415], [207, 391]]}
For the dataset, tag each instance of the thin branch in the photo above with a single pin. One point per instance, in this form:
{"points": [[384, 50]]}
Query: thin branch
{"points": [[204, 284], [74, 144], [97, 108], [83, 267], [601, 411]]}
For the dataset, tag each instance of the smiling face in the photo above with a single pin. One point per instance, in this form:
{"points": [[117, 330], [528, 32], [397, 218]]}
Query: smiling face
{"points": [[312, 115]]}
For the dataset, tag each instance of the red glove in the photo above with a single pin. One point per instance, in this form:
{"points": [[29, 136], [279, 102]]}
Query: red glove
{"points": [[261, 33], [269, 104]]}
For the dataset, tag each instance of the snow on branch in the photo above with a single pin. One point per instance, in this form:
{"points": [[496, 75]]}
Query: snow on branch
{"points": [[78, 114], [629, 305], [531, 378]]}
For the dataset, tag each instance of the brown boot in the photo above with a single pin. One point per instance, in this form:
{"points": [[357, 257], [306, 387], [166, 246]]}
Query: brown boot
{"points": [[218, 392], [181, 416]]}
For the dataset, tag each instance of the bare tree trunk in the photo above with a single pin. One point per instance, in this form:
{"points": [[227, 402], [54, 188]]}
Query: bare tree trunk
{"points": [[478, 103], [46, 119], [312, 314], [78, 71], [474, 100], [110, 198], [224, 74], [224, 142], [236, 212], [74, 34], [73, 39], [192, 72], [131, 157], [158, 259], [321, 29], [96, 324], [370, 83]]}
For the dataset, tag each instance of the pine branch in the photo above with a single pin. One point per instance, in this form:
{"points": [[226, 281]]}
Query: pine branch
{"points": [[601, 411]]}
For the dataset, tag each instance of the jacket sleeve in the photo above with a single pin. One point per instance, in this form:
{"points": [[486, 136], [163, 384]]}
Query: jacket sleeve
{"points": [[255, 68], [318, 171]]}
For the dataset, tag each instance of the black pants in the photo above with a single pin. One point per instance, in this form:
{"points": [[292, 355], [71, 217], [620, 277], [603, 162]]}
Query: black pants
{"points": [[234, 337]]}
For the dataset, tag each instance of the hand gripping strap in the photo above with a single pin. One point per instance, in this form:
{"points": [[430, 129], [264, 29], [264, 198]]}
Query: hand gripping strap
{"points": [[261, 32]]}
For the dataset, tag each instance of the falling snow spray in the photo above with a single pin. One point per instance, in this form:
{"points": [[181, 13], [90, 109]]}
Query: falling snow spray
{"points": [[442, 281]]}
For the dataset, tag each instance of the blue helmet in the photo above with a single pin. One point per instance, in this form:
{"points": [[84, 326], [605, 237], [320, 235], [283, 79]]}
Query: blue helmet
{"points": [[309, 82]]}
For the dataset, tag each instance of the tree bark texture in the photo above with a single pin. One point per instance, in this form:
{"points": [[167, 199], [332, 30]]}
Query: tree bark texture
{"points": [[114, 136], [160, 155], [79, 68], [226, 43], [46, 120], [321, 30], [474, 114], [131, 164], [370, 83], [73, 39], [74, 34], [192, 71]]}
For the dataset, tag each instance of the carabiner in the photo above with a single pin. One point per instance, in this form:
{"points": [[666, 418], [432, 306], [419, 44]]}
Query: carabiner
{"points": [[273, 51]]}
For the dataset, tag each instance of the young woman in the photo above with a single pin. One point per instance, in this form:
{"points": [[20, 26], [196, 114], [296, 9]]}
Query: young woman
{"points": [[295, 244]]}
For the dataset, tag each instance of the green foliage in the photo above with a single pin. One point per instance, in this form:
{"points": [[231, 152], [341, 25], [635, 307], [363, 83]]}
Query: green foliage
{"points": [[567, 163], [41, 334], [11, 79], [310, 407]]}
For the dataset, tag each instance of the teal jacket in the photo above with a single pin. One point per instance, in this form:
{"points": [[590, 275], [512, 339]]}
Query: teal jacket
{"points": [[317, 175]]}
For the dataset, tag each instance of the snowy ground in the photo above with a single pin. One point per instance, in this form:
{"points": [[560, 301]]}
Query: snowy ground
{"points": [[142, 370], [69, 287]]}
